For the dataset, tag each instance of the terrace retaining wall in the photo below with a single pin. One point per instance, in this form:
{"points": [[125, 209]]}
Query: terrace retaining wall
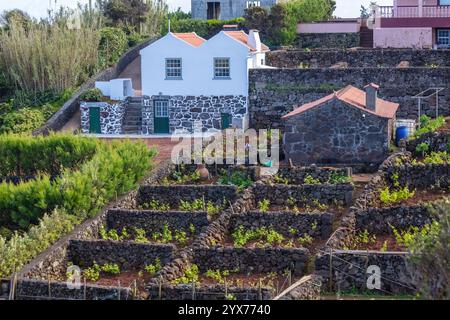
{"points": [[420, 176], [307, 193], [174, 193], [358, 58], [297, 175], [282, 222], [327, 40], [437, 142], [348, 270], [254, 260], [153, 221], [128, 255]]}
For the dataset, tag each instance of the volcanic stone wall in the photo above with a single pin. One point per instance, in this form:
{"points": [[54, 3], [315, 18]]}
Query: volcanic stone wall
{"points": [[326, 40], [284, 221], [420, 175], [153, 221], [128, 255], [174, 193], [307, 193], [297, 175]]}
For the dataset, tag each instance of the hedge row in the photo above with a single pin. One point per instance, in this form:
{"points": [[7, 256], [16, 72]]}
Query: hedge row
{"points": [[114, 169], [28, 156]]}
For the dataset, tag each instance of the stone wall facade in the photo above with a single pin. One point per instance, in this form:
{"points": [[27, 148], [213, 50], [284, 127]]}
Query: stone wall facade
{"points": [[27, 289], [254, 260], [336, 133], [283, 222], [347, 270], [276, 92], [111, 116], [358, 58], [153, 221], [380, 220], [127, 254], [307, 193], [327, 40], [297, 175], [173, 194], [420, 176], [187, 111]]}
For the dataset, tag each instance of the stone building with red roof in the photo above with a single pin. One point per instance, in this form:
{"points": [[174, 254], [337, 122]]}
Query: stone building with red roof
{"points": [[350, 126]]}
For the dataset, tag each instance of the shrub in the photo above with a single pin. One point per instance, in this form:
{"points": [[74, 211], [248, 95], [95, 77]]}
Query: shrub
{"points": [[24, 120], [437, 158], [92, 95], [310, 180], [388, 197], [113, 43], [428, 125], [422, 148]]}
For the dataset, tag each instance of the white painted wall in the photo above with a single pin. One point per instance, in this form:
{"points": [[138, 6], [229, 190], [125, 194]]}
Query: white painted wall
{"points": [[417, 38], [116, 89], [198, 67]]}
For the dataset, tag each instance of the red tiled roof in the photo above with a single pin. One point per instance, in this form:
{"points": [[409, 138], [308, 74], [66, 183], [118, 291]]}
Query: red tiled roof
{"points": [[190, 37], [242, 37], [354, 97]]}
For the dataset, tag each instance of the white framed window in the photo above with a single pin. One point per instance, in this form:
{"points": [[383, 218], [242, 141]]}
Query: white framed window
{"points": [[174, 68], [251, 4], [221, 68], [443, 37], [161, 109]]}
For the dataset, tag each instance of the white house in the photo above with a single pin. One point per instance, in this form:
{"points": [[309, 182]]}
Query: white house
{"points": [[186, 78], [185, 81]]}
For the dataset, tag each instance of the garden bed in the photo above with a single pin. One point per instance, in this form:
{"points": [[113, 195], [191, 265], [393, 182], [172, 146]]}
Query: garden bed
{"points": [[418, 196]]}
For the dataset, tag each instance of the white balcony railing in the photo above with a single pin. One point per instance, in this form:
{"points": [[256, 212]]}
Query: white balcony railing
{"points": [[414, 12]]}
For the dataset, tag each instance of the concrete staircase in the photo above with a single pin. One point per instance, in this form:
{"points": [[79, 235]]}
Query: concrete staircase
{"points": [[366, 37], [132, 122]]}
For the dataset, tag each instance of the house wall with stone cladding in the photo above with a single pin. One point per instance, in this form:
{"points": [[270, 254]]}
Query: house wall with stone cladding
{"points": [[111, 116], [184, 111], [336, 133]]}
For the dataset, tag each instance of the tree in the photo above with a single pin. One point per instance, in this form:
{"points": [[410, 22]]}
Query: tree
{"points": [[125, 12], [16, 15], [367, 11]]}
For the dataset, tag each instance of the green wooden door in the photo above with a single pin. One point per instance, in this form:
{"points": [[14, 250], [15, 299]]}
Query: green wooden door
{"points": [[226, 120], [161, 113], [94, 120]]}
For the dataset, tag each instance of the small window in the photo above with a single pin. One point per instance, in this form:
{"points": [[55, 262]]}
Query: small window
{"points": [[173, 68], [222, 68], [161, 109], [251, 4], [443, 37]]}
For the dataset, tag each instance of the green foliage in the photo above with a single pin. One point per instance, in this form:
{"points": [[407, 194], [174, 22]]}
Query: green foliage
{"points": [[195, 205], [114, 169], [422, 148], [140, 235], [305, 240], [204, 28], [428, 125], [92, 273], [264, 205], [406, 238], [437, 158], [24, 120], [217, 275], [388, 197], [113, 234], [113, 44], [360, 239], [280, 179], [430, 255], [310, 180], [155, 205], [264, 235], [28, 156], [21, 248], [338, 177], [191, 275], [92, 95], [165, 236], [152, 269], [111, 268], [181, 237], [237, 178]]}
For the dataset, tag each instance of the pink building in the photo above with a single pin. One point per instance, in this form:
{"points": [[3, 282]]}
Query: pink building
{"points": [[406, 24]]}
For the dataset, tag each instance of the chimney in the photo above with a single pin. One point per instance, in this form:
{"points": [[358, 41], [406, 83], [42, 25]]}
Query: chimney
{"points": [[371, 96], [253, 40]]}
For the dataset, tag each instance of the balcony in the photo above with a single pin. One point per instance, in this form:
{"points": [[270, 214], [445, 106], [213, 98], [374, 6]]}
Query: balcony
{"points": [[414, 12]]}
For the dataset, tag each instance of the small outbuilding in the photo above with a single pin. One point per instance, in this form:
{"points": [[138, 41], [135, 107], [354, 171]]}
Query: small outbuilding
{"points": [[350, 126]]}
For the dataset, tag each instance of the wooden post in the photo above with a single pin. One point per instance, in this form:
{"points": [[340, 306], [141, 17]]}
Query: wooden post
{"points": [[12, 287], [193, 290], [84, 290], [135, 288], [160, 288], [226, 288], [290, 278], [118, 292]]}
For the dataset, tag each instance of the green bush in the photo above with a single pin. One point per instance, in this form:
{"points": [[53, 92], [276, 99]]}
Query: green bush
{"points": [[24, 120], [113, 43], [113, 170], [92, 95], [117, 165], [428, 125], [28, 156]]}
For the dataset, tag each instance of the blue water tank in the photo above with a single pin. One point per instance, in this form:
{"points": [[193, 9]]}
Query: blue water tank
{"points": [[401, 133]]}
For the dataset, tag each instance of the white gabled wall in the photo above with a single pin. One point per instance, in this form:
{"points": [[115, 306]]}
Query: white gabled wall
{"points": [[198, 67]]}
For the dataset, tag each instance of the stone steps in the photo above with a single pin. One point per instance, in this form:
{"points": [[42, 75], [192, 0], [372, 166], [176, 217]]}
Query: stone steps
{"points": [[132, 122]]}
